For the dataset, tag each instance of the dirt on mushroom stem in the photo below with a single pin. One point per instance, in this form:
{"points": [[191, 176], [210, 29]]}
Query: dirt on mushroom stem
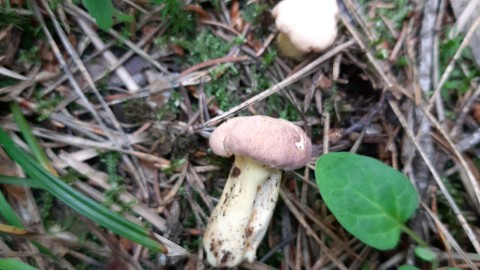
{"points": [[241, 217]]}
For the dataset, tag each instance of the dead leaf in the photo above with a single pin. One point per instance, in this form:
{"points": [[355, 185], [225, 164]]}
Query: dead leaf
{"points": [[12, 230], [237, 21]]}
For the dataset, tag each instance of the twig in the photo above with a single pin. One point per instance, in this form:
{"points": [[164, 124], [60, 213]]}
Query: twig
{"points": [[212, 62], [473, 180], [468, 230], [464, 109], [12, 74], [451, 65], [462, 20], [110, 58], [135, 169], [75, 11], [469, 141], [309, 230], [424, 80], [100, 179], [281, 85], [450, 238]]}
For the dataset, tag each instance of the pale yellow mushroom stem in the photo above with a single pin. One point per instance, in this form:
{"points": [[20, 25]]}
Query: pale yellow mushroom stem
{"points": [[241, 217]]}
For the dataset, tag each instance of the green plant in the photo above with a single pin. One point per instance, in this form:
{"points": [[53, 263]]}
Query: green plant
{"points": [[110, 160], [46, 105], [397, 12], [282, 108], [370, 199], [181, 21], [8, 264], [425, 254], [218, 86], [205, 46], [30, 55], [8, 17], [76, 200], [459, 81], [105, 13], [408, 267], [171, 108]]}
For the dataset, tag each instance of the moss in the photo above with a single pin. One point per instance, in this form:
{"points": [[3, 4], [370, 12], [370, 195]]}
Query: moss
{"points": [[181, 22], [281, 108], [204, 47], [110, 161], [46, 105]]}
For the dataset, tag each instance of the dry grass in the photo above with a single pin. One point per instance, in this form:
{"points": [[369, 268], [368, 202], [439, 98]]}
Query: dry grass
{"points": [[126, 118]]}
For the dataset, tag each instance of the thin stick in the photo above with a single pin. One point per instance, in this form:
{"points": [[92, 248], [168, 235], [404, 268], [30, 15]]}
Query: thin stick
{"points": [[451, 65], [309, 230], [110, 58], [471, 177], [463, 222], [281, 85], [450, 238]]}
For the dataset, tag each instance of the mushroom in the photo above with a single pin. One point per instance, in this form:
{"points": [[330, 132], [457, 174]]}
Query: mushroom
{"points": [[305, 26], [263, 147]]}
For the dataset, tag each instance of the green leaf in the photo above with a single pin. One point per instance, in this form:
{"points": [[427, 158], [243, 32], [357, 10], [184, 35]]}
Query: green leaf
{"points": [[104, 12], [408, 267], [370, 199], [76, 200], [28, 136], [425, 254], [11, 217], [9, 264], [8, 214]]}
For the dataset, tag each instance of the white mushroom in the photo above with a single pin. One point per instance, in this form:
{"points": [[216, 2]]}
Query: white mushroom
{"points": [[305, 26], [263, 146]]}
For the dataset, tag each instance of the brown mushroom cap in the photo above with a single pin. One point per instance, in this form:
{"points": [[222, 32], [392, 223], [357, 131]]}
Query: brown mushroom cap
{"points": [[274, 142]]}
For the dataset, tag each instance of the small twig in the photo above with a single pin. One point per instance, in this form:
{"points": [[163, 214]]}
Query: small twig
{"points": [[110, 58], [310, 232], [212, 62], [133, 4], [451, 65], [473, 180], [458, 213], [12, 74], [462, 20], [75, 11], [136, 170], [450, 238], [326, 131], [101, 179], [281, 85], [465, 109]]}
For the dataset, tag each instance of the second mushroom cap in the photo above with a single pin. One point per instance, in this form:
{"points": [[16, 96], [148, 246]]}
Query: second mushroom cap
{"points": [[309, 25]]}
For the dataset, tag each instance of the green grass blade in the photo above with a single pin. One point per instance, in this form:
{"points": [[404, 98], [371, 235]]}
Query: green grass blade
{"points": [[76, 200], [19, 181], [9, 264], [8, 214], [28, 136], [11, 217]]}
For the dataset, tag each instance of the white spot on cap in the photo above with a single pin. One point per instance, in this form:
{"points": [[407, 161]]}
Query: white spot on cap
{"points": [[300, 144]]}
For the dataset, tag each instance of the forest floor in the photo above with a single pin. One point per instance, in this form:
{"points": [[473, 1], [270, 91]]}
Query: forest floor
{"points": [[121, 113]]}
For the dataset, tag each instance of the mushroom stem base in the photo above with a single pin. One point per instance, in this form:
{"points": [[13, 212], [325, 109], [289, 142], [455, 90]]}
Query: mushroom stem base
{"points": [[287, 48], [241, 217]]}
